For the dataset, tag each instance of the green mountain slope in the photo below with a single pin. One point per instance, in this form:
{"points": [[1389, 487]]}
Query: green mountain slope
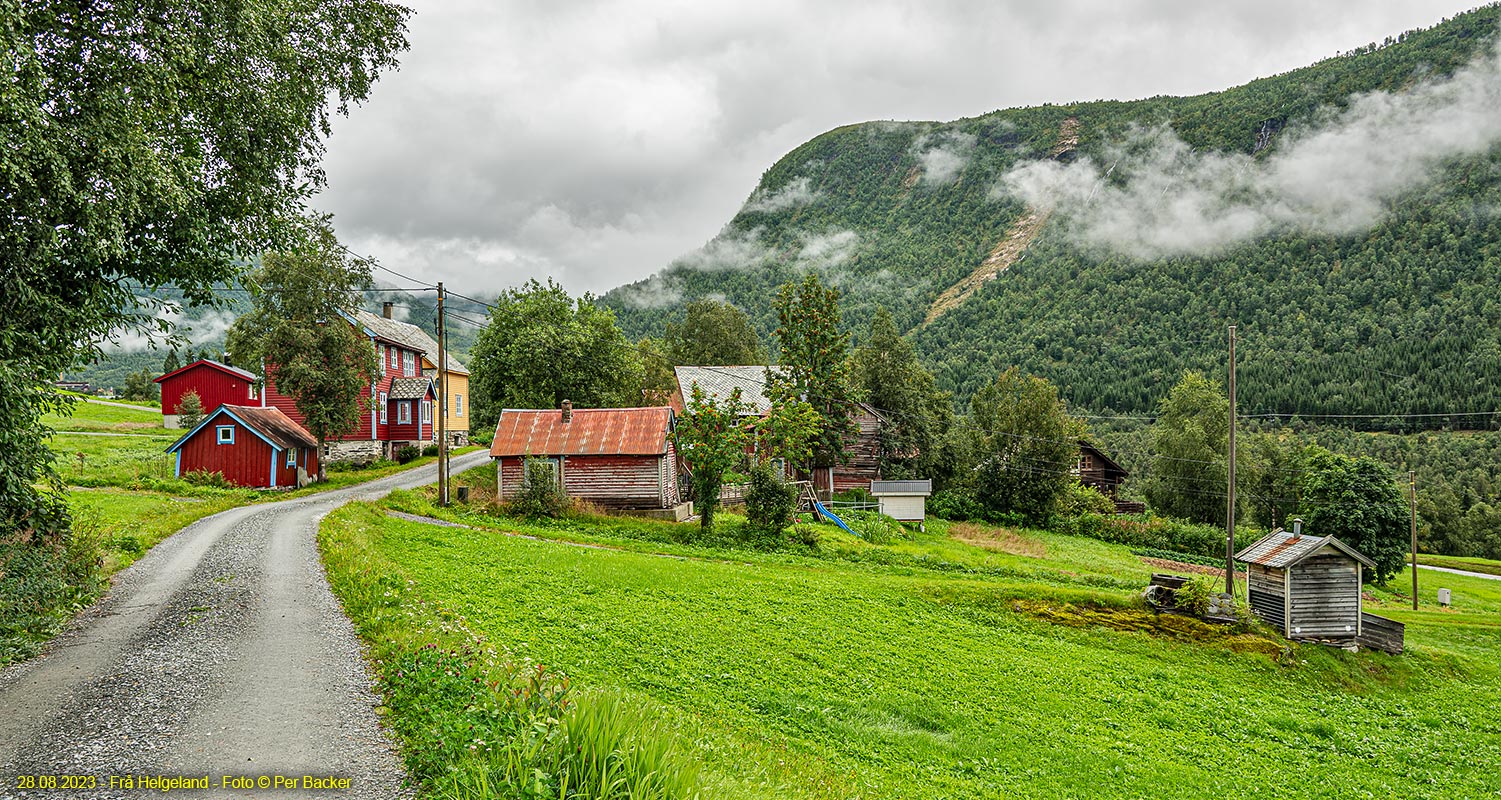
{"points": [[1396, 315]]}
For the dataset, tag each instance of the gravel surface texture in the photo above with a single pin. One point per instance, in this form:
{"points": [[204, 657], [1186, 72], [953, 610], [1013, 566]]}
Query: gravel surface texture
{"points": [[220, 653]]}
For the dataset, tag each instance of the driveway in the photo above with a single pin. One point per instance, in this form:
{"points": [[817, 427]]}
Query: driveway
{"points": [[220, 653]]}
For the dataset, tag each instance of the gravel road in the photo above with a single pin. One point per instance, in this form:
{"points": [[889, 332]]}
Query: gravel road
{"points": [[220, 653]]}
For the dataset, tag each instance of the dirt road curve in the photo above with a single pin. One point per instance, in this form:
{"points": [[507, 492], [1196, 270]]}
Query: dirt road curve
{"points": [[220, 653]]}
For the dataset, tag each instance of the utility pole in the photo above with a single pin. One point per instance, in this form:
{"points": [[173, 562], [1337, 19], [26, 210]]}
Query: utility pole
{"points": [[442, 402], [1412, 495], [1230, 493]]}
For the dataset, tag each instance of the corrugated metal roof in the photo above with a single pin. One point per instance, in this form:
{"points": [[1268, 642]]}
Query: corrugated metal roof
{"points": [[410, 388], [878, 488], [720, 381], [1281, 549], [405, 333], [591, 432]]}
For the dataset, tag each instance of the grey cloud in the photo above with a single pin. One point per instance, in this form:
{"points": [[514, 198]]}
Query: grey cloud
{"points": [[797, 192], [943, 156]]}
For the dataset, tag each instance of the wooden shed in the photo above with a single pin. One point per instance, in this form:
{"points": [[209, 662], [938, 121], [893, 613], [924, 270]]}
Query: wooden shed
{"points": [[1308, 587], [906, 501], [249, 446], [619, 458]]}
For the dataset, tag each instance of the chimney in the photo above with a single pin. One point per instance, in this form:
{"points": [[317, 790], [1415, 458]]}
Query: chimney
{"points": [[1297, 528], [567, 411], [387, 309]]}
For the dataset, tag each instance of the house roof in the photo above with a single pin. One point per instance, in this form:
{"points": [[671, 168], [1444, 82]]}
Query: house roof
{"points": [[276, 428], [205, 362], [591, 432], [1282, 549], [407, 335], [720, 381], [1109, 463], [910, 488], [410, 388]]}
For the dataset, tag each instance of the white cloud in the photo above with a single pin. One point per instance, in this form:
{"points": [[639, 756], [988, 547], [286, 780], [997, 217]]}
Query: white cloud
{"points": [[1154, 196], [943, 156], [796, 192]]}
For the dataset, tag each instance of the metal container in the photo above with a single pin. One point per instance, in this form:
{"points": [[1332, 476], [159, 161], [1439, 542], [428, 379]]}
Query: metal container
{"points": [[1443, 597]]}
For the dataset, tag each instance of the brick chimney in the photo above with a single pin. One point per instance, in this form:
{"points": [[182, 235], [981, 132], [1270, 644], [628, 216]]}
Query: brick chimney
{"points": [[567, 411], [387, 309]]}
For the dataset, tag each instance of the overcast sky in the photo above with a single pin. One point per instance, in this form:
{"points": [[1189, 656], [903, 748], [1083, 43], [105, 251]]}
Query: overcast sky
{"points": [[596, 141]]}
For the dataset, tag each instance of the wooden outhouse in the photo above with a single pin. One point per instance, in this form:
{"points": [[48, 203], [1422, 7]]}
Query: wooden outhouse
{"points": [[619, 458], [1308, 587]]}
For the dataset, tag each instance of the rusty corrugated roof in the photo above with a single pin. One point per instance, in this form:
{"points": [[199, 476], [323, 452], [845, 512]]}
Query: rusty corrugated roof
{"points": [[591, 432], [1282, 549]]}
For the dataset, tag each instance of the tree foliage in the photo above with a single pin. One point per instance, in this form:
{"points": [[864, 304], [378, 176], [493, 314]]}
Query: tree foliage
{"points": [[711, 438], [713, 333], [152, 144], [543, 347], [888, 375], [1027, 446], [813, 356], [1357, 501], [298, 336], [1189, 472], [189, 410], [140, 386]]}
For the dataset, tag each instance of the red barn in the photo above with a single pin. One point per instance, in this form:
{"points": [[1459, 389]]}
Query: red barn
{"points": [[620, 458], [215, 383], [249, 446]]}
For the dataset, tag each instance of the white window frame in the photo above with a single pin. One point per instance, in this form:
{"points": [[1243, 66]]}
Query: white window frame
{"points": [[458, 405], [395, 355], [408, 363], [383, 403], [404, 412], [251, 390], [221, 438], [427, 412], [382, 359], [291, 456]]}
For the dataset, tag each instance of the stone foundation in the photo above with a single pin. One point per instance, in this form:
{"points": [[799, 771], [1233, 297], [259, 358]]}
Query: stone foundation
{"points": [[357, 451], [170, 421]]}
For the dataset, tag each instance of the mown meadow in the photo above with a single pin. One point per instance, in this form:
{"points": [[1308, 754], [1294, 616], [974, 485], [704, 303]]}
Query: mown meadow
{"points": [[965, 662]]}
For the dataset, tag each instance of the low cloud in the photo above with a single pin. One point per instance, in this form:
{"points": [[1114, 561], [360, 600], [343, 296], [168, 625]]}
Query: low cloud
{"points": [[730, 250], [658, 291], [797, 192], [943, 156], [204, 326], [827, 249], [1153, 196]]}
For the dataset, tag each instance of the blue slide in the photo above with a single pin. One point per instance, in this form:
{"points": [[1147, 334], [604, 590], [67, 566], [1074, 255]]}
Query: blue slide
{"points": [[836, 520]]}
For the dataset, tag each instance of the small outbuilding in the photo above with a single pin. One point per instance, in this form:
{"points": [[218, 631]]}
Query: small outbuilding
{"points": [[213, 382], [250, 446], [1309, 588], [617, 458], [904, 501]]}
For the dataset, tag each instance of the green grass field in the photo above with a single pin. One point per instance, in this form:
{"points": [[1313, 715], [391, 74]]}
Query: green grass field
{"points": [[89, 416], [821, 676]]}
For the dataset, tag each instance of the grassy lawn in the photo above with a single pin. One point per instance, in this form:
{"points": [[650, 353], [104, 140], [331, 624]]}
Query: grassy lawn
{"points": [[88, 416], [1485, 565], [821, 675], [131, 522]]}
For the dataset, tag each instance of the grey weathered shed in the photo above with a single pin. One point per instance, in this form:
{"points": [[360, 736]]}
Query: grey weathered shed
{"points": [[1308, 587]]}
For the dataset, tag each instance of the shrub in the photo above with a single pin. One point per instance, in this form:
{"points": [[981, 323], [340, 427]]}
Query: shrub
{"points": [[48, 575], [407, 453], [429, 451], [768, 504], [959, 505], [875, 527], [189, 410], [539, 494], [200, 477], [1194, 595], [1161, 533], [1078, 499]]}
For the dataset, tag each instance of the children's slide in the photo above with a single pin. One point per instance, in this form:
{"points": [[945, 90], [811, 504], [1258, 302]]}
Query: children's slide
{"points": [[832, 518]]}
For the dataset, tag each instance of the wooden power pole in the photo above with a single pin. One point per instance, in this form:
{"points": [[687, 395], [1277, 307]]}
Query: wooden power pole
{"points": [[1412, 501], [1230, 492], [442, 402]]}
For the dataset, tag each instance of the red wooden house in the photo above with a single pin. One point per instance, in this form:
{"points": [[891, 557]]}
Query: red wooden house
{"points": [[249, 446], [620, 458], [215, 383]]}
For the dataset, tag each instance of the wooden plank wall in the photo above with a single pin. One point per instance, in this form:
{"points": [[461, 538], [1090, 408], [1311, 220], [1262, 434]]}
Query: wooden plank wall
{"points": [[1325, 598], [1381, 633]]}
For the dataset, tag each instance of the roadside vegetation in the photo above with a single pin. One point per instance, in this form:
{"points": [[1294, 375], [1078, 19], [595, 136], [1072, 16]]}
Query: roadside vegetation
{"points": [[972, 660]]}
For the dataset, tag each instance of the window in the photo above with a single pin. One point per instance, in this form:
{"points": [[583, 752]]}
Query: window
{"points": [[382, 359], [458, 405], [408, 364], [291, 456], [404, 412], [252, 391], [383, 404], [427, 411], [394, 352], [224, 434]]}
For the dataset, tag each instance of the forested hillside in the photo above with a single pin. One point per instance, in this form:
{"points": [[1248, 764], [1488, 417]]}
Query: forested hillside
{"points": [[1392, 312]]}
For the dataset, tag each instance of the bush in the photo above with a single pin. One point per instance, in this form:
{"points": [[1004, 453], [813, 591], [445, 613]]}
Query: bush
{"points": [[213, 480], [48, 576], [1161, 533], [959, 505], [1078, 499], [539, 494], [1194, 596], [768, 504], [429, 451], [875, 527], [407, 453]]}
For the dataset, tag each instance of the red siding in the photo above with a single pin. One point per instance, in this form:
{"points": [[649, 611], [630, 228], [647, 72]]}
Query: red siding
{"points": [[389, 431], [215, 387], [247, 462], [609, 481]]}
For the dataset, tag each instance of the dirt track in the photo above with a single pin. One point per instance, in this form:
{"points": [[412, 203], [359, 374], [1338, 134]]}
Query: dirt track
{"points": [[220, 653]]}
